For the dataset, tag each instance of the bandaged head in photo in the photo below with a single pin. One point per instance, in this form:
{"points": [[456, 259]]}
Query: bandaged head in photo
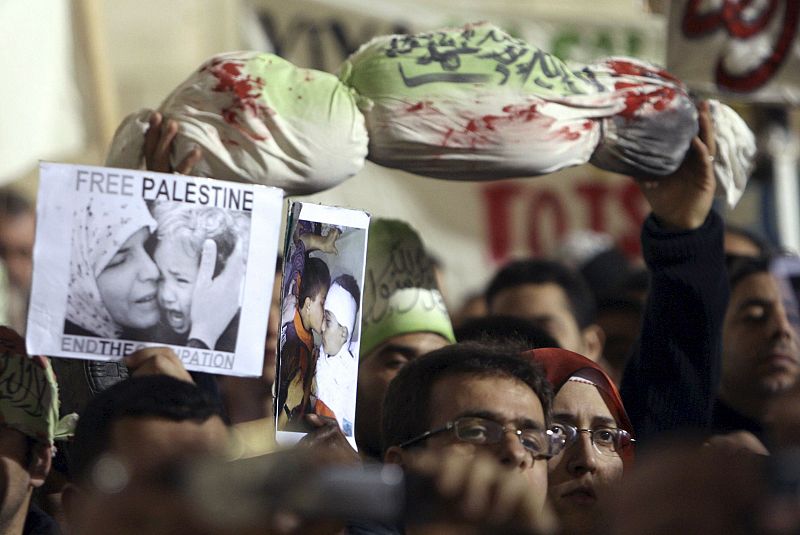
{"points": [[28, 392], [400, 291], [100, 227], [257, 118], [341, 302]]}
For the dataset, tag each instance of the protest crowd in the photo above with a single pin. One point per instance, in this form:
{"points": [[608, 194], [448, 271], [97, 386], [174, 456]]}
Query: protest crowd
{"points": [[622, 396]]}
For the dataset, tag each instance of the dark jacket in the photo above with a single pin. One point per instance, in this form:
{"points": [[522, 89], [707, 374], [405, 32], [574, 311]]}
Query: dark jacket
{"points": [[671, 380]]}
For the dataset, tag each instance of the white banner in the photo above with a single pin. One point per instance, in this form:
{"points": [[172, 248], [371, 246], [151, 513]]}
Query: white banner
{"points": [[126, 259], [473, 227], [743, 50], [321, 33]]}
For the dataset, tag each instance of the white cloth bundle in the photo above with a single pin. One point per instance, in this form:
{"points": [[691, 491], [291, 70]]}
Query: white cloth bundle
{"points": [[477, 104], [258, 118]]}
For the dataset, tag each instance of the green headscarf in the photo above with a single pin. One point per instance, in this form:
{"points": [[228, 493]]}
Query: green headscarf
{"points": [[400, 292]]}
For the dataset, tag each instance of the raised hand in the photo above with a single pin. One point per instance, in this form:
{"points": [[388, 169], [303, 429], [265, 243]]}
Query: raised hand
{"points": [[682, 201], [158, 146]]}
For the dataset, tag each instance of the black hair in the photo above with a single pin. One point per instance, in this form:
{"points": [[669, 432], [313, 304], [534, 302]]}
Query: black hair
{"points": [[621, 304], [12, 204], [741, 267], [349, 283], [536, 271], [315, 279], [406, 407], [153, 396], [507, 330]]}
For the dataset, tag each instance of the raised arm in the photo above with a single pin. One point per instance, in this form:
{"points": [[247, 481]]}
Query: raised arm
{"points": [[671, 379]]}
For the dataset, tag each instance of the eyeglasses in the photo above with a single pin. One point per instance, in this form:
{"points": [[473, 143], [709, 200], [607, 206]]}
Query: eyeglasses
{"points": [[606, 440], [540, 443]]}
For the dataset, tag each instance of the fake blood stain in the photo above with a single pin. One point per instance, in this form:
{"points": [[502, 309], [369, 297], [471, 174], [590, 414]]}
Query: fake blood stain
{"points": [[244, 91], [479, 131]]}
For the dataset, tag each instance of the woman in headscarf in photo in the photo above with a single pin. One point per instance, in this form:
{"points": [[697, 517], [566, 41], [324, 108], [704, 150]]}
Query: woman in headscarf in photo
{"points": [[182, 232], [588, 412], [113, 280]]}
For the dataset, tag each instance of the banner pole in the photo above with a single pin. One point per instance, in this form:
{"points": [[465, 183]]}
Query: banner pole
{"points": [[91, 39], [783, 148]]}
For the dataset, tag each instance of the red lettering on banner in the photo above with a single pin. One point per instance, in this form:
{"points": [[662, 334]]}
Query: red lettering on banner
{"points": [[596, 196], [731, 16], [498, 198], [616, 208], [630, 199], [543, 202]]}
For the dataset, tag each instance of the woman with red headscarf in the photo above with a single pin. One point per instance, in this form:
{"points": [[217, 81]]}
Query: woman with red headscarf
{"points": [[588, 412], [668, 381]]}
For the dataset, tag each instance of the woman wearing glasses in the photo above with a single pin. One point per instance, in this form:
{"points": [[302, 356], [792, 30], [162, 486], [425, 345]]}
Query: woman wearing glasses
{"points": [[598, 443]]}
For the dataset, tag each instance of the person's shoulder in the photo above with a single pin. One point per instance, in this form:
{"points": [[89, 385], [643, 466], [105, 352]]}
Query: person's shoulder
{"points": [[37, 522]]}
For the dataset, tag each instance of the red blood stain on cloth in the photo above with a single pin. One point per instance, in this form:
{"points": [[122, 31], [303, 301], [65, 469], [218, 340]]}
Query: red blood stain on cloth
{"points": [[629, 68], [487, 130], [657, 93], [244, 91], [636, 101]]}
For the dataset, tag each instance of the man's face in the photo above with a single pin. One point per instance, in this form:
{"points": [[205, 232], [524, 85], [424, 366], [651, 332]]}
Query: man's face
{"points": [[581, 478], [505, 400], [547, 306], [145, 446], [375, 372], [334, 335], [761, 355], [15, 481], [16, 248]]}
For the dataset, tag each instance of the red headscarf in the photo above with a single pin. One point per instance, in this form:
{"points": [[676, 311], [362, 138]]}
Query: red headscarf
{"points": [[559, 365]]}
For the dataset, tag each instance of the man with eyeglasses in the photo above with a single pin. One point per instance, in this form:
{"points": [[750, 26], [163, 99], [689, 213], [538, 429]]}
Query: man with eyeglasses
{"points": [[459, 406]]}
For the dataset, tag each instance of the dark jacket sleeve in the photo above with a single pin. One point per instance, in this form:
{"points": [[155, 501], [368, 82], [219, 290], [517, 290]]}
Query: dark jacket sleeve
{"points": [[671, 379]]}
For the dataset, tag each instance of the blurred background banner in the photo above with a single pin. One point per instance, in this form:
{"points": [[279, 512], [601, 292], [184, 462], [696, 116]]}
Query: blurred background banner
{"points": [[744, 50], [475, 226], [74, 68], [41, 114], [322, 33]]}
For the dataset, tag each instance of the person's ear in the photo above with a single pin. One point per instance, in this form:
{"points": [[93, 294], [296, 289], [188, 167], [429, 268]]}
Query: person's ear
{"points": [[344, 332], [594, 339], [41, 461], [394, 455]]}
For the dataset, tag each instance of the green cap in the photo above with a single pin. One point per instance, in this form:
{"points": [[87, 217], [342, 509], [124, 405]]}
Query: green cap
{"points": [[400, 292]]}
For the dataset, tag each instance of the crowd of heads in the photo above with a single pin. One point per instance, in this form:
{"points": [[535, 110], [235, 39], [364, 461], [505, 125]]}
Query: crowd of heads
{"points": [[508, 415]]}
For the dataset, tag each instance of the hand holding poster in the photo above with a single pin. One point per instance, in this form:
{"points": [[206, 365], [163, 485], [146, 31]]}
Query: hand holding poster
{"points": [[125, 259], [323, 281]]}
